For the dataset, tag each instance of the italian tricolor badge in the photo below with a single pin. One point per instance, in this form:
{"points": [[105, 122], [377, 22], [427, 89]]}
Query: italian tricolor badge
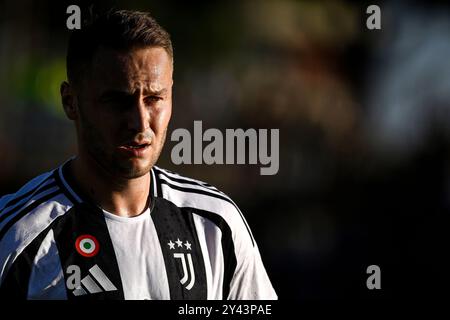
{"points": [[87, 245]]}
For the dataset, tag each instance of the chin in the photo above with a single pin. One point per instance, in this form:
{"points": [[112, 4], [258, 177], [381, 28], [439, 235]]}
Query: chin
{"points": [[134, 173], [134, 169]]}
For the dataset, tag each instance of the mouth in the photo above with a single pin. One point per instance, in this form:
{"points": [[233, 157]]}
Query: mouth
{"points": [[134, 148], [137, 146]]}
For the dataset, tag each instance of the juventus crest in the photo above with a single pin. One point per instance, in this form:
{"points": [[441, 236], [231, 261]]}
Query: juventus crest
{"points": [[185, 258]]}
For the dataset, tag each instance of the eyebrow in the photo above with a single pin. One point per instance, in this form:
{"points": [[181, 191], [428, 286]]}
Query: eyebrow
{"points": [[127, 92], [119, 92], [157, 92]]}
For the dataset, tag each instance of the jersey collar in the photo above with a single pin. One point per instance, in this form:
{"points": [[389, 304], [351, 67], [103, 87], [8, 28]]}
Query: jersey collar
{"points": [[75, 194]]}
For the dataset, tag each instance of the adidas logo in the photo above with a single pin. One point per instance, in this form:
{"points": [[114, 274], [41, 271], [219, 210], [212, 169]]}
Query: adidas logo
{"points": [[96, 281]]}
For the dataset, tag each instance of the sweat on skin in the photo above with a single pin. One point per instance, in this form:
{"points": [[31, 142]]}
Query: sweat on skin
{"points": [[121, 113]]}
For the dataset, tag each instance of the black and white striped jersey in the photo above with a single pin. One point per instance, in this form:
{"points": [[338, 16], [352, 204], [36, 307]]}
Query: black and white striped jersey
{"points": [[191, 243]]}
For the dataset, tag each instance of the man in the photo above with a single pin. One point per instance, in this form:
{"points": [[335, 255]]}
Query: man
{"points": [[108, 223]]}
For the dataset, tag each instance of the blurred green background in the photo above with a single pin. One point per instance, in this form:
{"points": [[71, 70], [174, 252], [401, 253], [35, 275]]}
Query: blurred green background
{"points": [[363, 116]]}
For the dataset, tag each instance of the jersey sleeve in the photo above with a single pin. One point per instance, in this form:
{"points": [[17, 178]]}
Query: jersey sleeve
{"points": [[250, 280]]}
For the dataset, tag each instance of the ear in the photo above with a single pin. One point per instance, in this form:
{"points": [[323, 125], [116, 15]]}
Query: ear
{"points": [[69, 100]]}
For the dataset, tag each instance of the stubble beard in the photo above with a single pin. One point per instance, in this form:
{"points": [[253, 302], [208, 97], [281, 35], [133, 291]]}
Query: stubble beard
{"points": [[111, 162]]}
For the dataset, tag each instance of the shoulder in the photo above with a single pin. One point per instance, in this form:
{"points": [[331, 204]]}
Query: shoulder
{"points": [[35, 194], [202, 199], [28, 212]]}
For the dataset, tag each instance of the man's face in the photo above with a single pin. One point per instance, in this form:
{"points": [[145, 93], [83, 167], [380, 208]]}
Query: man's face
{"points": [[124, 107]]}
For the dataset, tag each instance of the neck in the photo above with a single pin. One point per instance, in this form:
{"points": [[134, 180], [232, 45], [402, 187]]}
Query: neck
{"points": [[118, 195]]}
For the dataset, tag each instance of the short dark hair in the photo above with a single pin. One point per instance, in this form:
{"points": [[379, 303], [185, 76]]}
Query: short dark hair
{"points": [[121, 30]]}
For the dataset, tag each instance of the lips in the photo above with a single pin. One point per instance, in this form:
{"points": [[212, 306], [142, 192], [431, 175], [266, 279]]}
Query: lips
{"points": [[134, 148]]}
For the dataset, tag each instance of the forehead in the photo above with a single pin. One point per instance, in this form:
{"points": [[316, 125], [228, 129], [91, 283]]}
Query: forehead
{"points": [[128, 69]]}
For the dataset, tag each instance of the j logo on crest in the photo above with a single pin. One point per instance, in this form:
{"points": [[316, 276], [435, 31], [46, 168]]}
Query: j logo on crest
{"points": [[183, 256], [87, 245]]}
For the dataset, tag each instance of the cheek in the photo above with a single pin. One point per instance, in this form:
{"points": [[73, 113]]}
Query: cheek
{"points": [[105, 129], [161, 120]]}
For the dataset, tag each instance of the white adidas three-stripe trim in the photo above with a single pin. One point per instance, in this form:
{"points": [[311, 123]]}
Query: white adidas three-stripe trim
{"points": [[90, 284]]}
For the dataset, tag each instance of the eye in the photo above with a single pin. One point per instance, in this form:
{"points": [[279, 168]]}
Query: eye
{"points": [[152, 99], [116, 101], [115, 98]]}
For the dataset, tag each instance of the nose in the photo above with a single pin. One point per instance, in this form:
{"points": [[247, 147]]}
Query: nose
{"points": [[139, 117]]}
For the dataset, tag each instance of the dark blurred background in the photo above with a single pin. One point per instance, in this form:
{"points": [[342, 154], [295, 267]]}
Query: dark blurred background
{"points": [[364, 119]]}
